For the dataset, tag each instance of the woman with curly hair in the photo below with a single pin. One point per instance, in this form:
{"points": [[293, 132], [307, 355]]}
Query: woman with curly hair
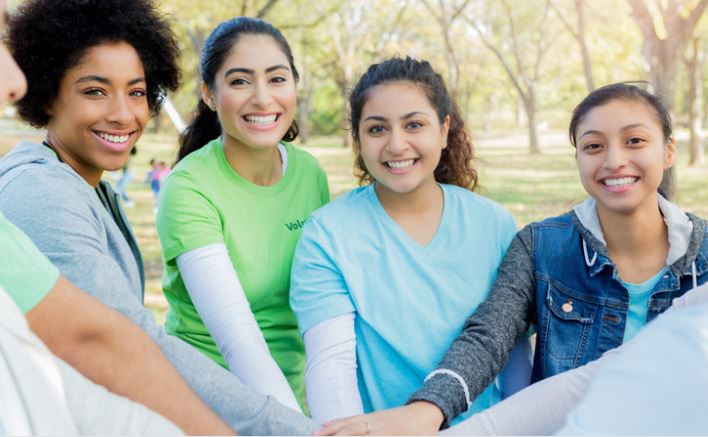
{"points": [[385, 276], [97, 70]]}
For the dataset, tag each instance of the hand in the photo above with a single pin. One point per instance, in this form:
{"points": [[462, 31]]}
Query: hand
{"points": [[417, 418]]}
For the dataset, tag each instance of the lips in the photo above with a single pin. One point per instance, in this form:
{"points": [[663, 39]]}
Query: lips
{"points": [[116, 141], [618, 184]]}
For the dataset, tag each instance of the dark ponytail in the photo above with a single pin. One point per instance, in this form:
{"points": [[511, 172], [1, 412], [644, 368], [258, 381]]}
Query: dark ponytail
{"points": [[205, 126]]}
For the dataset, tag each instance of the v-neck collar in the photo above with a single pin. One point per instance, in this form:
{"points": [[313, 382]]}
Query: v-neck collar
{"points": [[403, 235]]}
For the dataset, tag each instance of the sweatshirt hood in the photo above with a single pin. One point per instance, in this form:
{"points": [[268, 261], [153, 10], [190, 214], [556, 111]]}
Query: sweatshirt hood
{"points": [[680, 227]]}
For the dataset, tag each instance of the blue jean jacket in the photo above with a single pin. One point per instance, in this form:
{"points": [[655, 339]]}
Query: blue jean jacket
{"points": [[581, 304]]}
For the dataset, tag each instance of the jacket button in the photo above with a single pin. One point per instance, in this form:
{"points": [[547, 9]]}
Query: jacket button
{"points": [[567, 307]]}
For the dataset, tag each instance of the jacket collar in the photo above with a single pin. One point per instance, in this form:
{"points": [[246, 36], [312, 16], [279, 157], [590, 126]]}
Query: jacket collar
{"points": [[680, 227]]}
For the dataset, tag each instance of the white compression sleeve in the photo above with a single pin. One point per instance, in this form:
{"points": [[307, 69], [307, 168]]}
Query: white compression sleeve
{"points": [[541, 409], [330, 377], [219, 298]]}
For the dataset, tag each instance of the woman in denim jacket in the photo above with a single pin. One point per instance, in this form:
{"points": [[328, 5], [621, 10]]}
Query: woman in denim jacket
{"points": [[587, 280]]}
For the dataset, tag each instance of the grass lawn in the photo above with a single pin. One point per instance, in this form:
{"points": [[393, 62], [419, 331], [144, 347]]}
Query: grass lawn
{"points": [[530, 187]]}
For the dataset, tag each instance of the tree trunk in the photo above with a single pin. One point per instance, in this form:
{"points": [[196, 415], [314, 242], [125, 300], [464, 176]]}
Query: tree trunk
{"points": [[587, 64], [695, 101], [530, 108]]}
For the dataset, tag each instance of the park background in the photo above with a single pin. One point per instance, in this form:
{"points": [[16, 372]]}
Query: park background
{"points": [[516, 68]]}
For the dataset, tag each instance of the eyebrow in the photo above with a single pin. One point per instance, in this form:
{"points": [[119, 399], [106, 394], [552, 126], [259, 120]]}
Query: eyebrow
{"points": [[623, 128], [405, 117], [104, 80], [251, 71]]}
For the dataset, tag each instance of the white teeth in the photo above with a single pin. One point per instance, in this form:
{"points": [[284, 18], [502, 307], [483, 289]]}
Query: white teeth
{"points": [[114, 138], [261, 119], [400, 164], [619, 181]]}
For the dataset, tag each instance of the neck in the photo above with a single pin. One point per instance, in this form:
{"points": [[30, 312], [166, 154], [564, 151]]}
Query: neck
{"points": [[637, 234], [91, 175], [425, 198], [260, 166]]}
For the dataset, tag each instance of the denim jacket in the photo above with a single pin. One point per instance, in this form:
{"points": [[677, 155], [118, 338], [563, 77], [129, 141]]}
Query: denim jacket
{"points": [[581, 304], [557, 276]]}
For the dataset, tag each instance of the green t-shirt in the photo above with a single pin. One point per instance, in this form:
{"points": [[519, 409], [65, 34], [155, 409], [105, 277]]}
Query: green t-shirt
{"points": [[25, 273], [204, 201]]}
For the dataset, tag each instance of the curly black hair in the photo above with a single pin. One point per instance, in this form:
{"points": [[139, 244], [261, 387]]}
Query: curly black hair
{"points": [[49, 37], [456, 160]]}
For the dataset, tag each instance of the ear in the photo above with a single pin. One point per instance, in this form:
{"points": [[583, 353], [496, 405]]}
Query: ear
{"points": [[445, 130], [208, 97], [670, 153]]}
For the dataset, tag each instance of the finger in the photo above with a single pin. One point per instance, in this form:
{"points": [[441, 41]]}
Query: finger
{"points": [[333, 427], [360, 428]]}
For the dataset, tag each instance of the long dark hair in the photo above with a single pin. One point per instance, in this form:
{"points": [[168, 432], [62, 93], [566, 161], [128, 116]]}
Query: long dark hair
{"points": [[628, 91], [205, 126], [455, 166]]}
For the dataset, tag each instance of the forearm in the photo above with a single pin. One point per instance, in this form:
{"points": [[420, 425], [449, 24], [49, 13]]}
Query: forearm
{"points": [[96, 411], [221, 302], [113, 352], [330, 378], [481, 350]]}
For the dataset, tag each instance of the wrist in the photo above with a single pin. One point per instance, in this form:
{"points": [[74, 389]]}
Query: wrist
{"points": [[430, 412]]}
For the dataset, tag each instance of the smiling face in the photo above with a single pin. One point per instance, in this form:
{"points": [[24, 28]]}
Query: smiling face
{"points": [[100, 111], [622, 154], [401, 137], [12, 81], [254, 93]]}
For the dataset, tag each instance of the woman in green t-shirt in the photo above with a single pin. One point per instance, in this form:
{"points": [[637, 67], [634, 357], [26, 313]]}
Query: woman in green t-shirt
{"points": [[232, 209]]}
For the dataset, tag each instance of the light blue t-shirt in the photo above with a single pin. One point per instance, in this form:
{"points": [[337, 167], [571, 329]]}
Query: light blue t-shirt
{"points": [[657, 385], [639, 295], [410, 301]]}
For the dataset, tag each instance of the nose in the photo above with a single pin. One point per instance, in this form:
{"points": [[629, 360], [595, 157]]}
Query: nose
{"points": [[262, 96], [120, 111], [397, 142], [13, 84], [615, 157]]}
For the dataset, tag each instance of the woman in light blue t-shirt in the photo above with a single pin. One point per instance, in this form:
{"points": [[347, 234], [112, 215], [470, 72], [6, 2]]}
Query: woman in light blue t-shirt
{"points": [[385, 276]]}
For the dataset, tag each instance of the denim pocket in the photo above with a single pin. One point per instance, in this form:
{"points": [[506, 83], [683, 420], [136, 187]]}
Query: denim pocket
{"points": [[567, 322]]}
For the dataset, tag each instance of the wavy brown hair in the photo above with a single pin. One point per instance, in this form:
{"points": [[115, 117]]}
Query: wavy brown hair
{"points": [[455, 166]]}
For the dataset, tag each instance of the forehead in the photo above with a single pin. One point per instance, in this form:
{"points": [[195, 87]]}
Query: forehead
{"points": [[109, 59], [255, 52], [616, 114], [396, 98]]}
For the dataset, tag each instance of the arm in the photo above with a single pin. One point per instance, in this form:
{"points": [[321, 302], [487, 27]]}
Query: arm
{"points": [[472, 361], [218, 296], [68, 234], [478, 354], [541, 409], [96, 411], [113, 352], [330, 377]]}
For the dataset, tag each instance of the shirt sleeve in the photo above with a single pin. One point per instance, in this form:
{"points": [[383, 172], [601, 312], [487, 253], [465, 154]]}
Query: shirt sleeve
{"points": [[186, 217], [478, 354], [25, 273], [318, 291]]}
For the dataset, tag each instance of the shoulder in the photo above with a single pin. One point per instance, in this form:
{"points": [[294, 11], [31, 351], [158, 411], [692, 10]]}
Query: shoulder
{"points": [[565, 220], [304, 159], [202, 160], [344, 208], [478, 206], [42, 179]]}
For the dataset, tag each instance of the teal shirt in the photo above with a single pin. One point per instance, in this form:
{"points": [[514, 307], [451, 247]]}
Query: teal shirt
{"points": [[639, 295], [411, 301]]}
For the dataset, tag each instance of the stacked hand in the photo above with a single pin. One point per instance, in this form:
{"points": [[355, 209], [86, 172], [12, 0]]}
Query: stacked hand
{"points": [[417, 418]]}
